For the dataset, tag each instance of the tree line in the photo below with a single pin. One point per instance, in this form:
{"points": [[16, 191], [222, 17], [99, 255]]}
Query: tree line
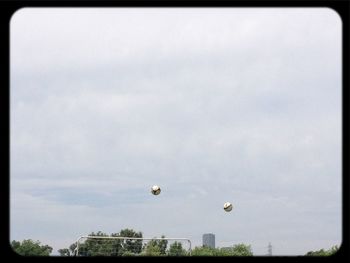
{"points": [[132, 247]]}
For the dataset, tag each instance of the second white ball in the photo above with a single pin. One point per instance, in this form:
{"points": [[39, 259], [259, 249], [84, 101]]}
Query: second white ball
{"points": [[227, 207], [155, 190]]}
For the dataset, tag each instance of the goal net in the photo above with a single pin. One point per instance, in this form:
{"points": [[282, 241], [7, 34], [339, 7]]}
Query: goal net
{"points": [[131, 246]]}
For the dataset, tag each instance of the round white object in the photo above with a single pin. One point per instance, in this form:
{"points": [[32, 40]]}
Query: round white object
{"points": [[155, 190], [227, 207]]}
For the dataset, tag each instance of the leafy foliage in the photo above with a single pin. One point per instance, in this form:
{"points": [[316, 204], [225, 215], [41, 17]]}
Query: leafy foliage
{"points": [[29, 247], [236, 250], [176, 249], [64, 252], [240, 250], [204, 251], [112, 247], [134, 246], [323, 252], [155, 247], [151, 249]]}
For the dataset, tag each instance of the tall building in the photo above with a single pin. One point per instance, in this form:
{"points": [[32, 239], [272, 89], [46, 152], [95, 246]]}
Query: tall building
{"points": [[209, 240]]}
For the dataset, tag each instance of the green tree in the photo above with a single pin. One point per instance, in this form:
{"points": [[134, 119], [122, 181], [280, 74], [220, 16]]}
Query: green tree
{"points": [[151, 249], [72, 248], [163, 244], [204, 251], [176, 249], [96, 247], [134, 246], [64, 252], [29, 247], [322, 252], [155, 247], [242, 250], [333, 250], [236, 250]]}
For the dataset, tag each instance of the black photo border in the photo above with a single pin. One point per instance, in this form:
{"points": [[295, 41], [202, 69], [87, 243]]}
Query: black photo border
{"points": [[8, 8]]}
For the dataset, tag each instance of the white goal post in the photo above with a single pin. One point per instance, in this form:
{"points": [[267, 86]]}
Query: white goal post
{"points": [[182, 241]]}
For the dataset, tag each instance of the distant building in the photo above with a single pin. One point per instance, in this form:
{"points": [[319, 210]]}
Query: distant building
{"points": [[209, 240]]}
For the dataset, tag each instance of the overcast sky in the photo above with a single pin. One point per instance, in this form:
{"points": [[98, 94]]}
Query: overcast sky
{"points": [[214, 105]]}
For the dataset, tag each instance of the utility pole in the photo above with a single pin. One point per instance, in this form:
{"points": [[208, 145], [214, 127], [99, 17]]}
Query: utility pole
{"points": [[269, 249]]}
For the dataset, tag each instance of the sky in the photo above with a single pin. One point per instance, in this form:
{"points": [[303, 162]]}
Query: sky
{"points": [[214, 105]]}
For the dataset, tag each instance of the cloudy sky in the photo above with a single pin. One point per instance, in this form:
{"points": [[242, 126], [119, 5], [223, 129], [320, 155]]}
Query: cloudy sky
{"points": [[213, 105]]}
